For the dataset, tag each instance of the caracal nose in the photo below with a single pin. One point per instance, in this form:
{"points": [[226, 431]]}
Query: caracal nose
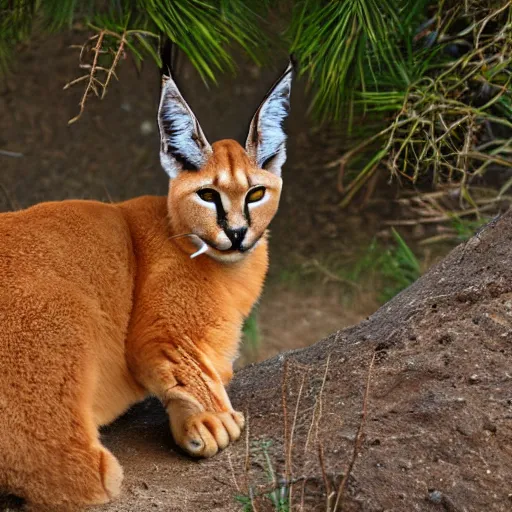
{"points": [[236, 236]]}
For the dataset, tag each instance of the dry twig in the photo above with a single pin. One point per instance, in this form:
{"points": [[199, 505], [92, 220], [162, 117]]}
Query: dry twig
{"points": [[327, 484], [92, 81], [233, 474], [317, 411], [12, 154], [289, 458], [94, 84], [358, 440], [284, 403]]}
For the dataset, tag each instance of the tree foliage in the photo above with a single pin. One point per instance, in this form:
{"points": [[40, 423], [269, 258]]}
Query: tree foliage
{"points": [[203, 29], [435, 76], [446, 102]]}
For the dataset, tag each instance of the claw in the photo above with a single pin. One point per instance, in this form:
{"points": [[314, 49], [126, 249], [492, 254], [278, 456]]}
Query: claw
{"points": [[204, 434]]}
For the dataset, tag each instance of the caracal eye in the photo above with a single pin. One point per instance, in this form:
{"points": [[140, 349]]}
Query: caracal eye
{"points": [[256, 194], [207, 194]]}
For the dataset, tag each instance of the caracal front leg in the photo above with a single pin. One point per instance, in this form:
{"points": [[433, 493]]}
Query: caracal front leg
{"points": [[201, 416]]}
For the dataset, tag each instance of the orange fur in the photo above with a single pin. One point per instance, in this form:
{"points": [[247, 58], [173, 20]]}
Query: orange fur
{"points": [[99, 308], [102, 305]]}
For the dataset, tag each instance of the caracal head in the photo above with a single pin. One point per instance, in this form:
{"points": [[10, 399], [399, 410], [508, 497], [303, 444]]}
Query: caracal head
{"points": [[223, 195]]}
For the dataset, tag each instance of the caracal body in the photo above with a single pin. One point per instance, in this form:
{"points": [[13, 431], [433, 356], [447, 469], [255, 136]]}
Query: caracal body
{"points": [[102, 305]]}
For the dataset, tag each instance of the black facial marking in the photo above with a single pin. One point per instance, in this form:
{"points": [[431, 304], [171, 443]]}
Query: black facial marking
{"points": [[247, 213], [236, 237], [222, 218]]}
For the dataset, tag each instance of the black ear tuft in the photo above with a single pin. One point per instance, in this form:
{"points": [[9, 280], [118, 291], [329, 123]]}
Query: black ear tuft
{"points": [[294, 62]]}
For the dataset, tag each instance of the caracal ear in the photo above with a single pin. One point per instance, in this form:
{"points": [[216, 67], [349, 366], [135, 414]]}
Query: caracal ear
{"points": [[183, 146], [266, 142]]}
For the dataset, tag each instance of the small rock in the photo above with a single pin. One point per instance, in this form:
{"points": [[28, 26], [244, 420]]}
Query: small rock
{"points": [[462, 429], [405, 464], [435, 496], [474, 379]]}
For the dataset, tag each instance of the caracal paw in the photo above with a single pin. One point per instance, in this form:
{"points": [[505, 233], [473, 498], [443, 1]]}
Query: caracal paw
{"points": [[205, 433]]}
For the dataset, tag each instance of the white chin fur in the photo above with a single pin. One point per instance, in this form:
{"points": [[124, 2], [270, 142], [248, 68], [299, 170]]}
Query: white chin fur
{"points": [[227, 257], [231, 257]]}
